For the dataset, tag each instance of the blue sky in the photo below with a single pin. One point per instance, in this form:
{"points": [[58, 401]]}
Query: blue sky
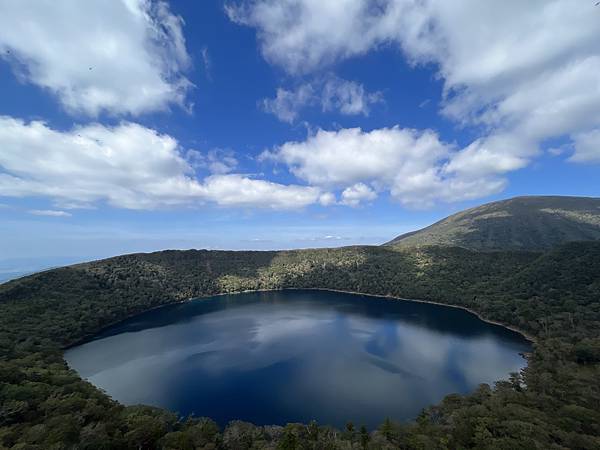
{"points": [[142, 125]]}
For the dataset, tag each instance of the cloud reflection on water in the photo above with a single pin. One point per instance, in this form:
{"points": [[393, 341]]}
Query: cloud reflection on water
{"points": [[298, 355]]}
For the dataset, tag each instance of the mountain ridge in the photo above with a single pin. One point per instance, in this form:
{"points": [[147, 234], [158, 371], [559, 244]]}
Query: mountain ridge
{"points": [[534, 223]]}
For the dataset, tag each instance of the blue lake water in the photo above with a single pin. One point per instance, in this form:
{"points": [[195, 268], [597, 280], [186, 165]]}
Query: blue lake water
{"points": [[298, 355]]}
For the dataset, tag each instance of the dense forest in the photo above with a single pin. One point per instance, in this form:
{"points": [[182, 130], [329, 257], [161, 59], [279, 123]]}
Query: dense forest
{"points": [[553, 297]]}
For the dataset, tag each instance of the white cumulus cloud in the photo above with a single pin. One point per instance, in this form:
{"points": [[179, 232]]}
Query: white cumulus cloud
{"points": [[125, 166], [416, 167], [357, 194], [518, 72], [240, 191], [301, 35], [118, 57]]}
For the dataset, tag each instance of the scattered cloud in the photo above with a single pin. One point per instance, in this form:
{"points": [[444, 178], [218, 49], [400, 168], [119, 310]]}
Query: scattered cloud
{"points": [[216, 161], [587, 147], [126, 166], [302, 35], [207, 62], [501, 78], [240, 191], [530, 76], [117, 57], [414, 166], [287, 104], [496, 154], [560, 150], [517, 72], [327, 199], [348, 97], [324, 238], [357, 194], [331, 94], [49, 213], [224, 165]]}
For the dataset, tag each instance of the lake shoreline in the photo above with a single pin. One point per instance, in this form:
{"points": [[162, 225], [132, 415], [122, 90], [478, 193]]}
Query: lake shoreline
{"points": [[525, 335], [431, 302], [89, 337]]}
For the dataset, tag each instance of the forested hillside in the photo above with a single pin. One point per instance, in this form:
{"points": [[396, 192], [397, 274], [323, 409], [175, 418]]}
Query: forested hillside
{"points": [[554, 403], [535, 223]]}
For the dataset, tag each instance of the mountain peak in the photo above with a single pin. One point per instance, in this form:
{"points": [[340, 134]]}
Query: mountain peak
{"points": [[519, 223]]}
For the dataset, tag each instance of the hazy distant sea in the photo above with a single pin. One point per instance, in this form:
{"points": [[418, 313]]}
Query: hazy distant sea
{"points": [[18, 267], [7, 276]]}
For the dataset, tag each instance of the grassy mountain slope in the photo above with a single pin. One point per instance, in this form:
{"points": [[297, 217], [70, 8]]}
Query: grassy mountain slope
{"points": [[521, 223]]}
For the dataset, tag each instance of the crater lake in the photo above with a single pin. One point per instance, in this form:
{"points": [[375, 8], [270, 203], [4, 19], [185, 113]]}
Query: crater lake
{"points": [[298, 355]]}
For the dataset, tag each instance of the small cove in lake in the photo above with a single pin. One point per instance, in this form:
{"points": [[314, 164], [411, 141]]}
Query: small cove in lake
{"points": [[295, 355]]}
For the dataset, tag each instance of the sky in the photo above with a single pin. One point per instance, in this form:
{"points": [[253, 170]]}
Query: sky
{"points": [[139, 125]]}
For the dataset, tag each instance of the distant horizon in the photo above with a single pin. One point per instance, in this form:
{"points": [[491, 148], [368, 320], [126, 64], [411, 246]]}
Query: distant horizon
{"points": [[11, 268]]}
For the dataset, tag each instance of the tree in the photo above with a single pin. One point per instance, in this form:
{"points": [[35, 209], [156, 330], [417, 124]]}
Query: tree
{"points": [[364, 437]]}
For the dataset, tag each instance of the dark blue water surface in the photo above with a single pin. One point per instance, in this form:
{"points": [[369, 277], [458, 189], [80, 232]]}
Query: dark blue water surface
{"points": [[294, 356]]}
